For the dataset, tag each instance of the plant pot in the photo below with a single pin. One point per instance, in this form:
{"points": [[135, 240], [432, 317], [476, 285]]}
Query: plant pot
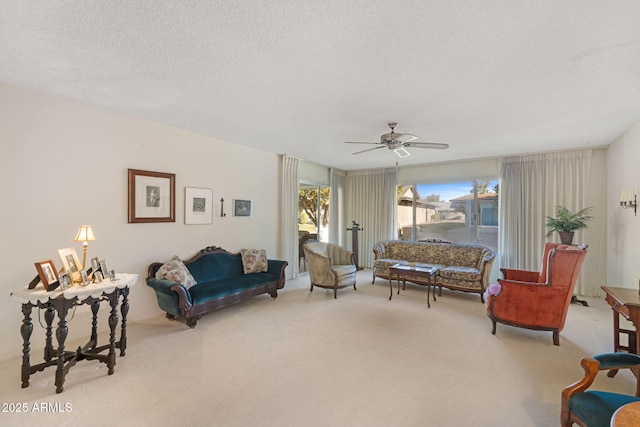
{"points": [[566, 237]]}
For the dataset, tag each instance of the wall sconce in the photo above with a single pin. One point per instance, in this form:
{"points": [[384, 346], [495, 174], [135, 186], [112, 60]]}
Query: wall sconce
{"points": [[629, 200], [85, 233]]}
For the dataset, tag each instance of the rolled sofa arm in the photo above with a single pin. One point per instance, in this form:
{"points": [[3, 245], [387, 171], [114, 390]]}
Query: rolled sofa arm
{"points": [[379, 250], [276, 267], [172, 296]]}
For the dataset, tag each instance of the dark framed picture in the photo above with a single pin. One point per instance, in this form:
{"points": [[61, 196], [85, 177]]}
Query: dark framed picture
{"points": [[47, 272], [152, 196], [241, 207], [198, 205]]}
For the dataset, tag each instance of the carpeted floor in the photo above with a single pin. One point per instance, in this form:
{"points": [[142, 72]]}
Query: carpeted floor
{"points": [[306, 359]]}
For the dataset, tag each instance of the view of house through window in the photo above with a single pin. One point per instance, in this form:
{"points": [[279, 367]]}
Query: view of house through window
{"points": [[313, 211], [460, 212]]}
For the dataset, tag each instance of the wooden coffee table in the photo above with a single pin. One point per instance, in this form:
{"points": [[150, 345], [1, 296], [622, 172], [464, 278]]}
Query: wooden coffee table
{"points": [[408, 272]]}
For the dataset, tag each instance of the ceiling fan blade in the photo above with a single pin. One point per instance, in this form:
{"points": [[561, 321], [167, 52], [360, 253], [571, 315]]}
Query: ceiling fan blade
{"points": [[404, 137], [369, 149], [353, 142], [437, 145]]}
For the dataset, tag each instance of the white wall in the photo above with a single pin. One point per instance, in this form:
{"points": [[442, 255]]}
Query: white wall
{"points": [[64, 164], [623, 229]]}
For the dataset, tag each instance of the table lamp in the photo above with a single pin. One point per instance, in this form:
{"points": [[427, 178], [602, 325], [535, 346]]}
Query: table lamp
{"points": [[85, 233]]}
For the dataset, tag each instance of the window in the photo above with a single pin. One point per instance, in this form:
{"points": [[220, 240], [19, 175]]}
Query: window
{"points": [[460, 212], [313, 211]]}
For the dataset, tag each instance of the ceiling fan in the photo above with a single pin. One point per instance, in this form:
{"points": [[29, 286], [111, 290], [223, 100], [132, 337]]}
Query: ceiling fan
{"points": [[399, 142]]}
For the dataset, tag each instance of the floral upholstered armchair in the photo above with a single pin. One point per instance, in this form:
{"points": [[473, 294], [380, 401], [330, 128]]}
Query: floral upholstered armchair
{"points": [[537, 300], [330, 266]]}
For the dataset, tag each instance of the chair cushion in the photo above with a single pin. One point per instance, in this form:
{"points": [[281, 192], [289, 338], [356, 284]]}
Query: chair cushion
{"points": [[175, 270], [346, 274], [205, 292], [597, 407], [343, 270]]}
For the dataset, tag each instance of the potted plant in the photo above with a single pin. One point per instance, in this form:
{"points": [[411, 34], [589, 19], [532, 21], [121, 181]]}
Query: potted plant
{"points": [[566, 223]]}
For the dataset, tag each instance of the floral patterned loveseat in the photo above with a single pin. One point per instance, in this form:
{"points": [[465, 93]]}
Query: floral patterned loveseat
{"points": [[460, 266]]}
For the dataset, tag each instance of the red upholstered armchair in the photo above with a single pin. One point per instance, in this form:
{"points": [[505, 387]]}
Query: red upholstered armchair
{"points": [[537, 300]]}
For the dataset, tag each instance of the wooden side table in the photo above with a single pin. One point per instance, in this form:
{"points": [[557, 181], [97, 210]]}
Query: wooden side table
{"points": [[627, 416], [406, 272], [58, 302]]}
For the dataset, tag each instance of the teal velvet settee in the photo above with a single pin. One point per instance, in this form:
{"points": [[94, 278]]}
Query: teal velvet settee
{"points": [[220, 280]]}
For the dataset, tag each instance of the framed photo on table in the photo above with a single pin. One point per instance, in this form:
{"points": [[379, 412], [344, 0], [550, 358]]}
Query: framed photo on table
{"points": [[65, 280], [85, 277], [152, 196], [104, 269], [47, 272], [198, 207], [241, 207], [71, 263]]}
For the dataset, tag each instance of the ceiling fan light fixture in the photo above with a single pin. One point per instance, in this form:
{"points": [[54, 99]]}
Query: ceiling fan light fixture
{"points": [[401, 152]]}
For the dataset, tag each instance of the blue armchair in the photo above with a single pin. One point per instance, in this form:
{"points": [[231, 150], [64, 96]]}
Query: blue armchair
{"points": [[590, 408]]}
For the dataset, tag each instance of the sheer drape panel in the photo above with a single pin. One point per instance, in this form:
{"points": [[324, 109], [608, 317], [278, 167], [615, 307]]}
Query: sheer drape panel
{"points": [[289, 214], [371, 200], [337, 222], [530, 189]]}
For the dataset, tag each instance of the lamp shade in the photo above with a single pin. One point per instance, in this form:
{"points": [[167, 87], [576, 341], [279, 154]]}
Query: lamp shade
{"points": [[85, 233]]}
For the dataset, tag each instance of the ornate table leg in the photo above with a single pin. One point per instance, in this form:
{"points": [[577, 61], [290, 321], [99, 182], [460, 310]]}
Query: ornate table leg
{"points": [[49, 315], [95, 305], [25, 331], [113, 322], [61, 335], [124, 309]]}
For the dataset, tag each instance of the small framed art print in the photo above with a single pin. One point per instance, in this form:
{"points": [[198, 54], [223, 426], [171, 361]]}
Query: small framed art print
{"points": [[241, 207], [198, 205]]}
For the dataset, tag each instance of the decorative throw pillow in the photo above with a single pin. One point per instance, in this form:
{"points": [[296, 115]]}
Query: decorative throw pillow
{"points": [[175, 270], [254, 260]]}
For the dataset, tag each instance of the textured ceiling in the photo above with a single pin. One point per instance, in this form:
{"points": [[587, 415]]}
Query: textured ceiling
{"points": [[300, 77]]}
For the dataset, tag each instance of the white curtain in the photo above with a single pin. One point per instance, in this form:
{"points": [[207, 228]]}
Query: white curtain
{"points": [[337, 226], [371, 200], [531, 187], [289, 216]]}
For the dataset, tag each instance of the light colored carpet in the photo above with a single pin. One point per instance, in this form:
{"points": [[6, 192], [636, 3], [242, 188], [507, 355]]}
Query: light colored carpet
{"points": [[306, 359]]}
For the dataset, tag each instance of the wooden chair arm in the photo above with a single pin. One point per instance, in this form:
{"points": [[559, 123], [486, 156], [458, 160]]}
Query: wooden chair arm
{"points": [[590, 367]]}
